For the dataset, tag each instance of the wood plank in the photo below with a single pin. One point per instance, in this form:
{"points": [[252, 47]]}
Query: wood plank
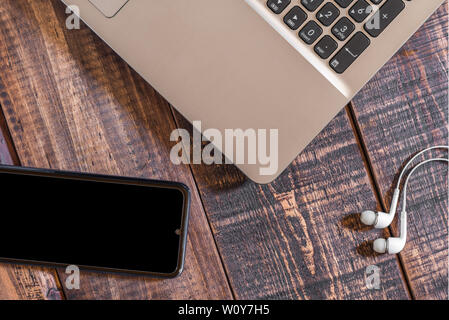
{"points": [[401, 111], [17, 281], [7, 153], [72, 104], [299, 237]]}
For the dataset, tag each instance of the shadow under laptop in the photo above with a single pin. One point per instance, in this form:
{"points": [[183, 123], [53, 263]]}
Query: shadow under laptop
{"points": [[216, 176]]}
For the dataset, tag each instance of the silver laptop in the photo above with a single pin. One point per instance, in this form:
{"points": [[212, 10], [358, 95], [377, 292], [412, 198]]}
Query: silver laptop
{"points": [[283, 67]]}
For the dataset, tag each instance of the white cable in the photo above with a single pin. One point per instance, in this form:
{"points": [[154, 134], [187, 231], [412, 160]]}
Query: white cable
{"points": [[404, 190], [416, 156]]}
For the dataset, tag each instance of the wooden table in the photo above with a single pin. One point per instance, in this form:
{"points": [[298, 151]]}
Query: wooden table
{"points": [[68, 102]]}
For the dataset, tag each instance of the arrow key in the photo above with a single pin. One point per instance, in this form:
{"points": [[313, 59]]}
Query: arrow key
{"points": [[311, 5], [295, 18], [277, 6]]}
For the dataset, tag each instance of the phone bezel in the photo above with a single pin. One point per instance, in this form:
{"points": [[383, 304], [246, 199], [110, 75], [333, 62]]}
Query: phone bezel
{"points": [[118, 180]]}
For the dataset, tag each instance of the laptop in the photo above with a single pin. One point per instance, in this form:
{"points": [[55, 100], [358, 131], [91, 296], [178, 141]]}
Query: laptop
{"points": [[283, 66]]}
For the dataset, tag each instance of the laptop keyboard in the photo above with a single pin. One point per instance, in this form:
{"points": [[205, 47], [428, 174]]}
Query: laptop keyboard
{"points": [[326, 25]]}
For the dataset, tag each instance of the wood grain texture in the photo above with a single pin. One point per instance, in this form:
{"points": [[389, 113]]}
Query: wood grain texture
{"points": [[72, 104], [24, 282], [18, 281], [299, 237], [7, 152], [400, 112]]}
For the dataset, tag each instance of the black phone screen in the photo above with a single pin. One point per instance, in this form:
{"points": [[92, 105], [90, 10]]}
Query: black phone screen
{"points": [[98, 221]]}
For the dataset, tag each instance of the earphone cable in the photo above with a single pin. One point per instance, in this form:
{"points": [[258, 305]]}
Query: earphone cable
{"points": [[414, 158], [404, 191]]}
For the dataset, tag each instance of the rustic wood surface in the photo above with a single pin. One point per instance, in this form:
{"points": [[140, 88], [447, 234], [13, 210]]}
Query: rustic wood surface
{"points": [[299, 237], [71, 110], [19, 281], [70, 103], [401, 111]]}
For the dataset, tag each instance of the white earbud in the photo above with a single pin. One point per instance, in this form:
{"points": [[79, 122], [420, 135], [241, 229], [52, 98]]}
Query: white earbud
{"points": [[395, 245], [381, 219]]}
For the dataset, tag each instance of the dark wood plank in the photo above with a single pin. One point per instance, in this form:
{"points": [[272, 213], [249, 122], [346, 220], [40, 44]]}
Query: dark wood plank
{"points": [[401, 111], [72, 104], [20, 282], [7, 152], [23, 282], [299, 237]]}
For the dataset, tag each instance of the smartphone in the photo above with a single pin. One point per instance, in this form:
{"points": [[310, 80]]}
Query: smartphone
{"points": [[96, 222]]}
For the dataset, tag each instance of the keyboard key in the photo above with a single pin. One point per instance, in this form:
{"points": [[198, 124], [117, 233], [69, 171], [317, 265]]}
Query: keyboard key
{"points": [[344, 3], [295, 17], [327, 14], [277, 6], [350, 52], [360, 11], [376, 1], [325, 47], [382, 18], [343, 28], [310, 32], [311, 5]]}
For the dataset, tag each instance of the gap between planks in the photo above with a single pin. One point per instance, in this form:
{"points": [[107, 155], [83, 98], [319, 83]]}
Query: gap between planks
{"points": [[376, 189], [226, 272]]}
